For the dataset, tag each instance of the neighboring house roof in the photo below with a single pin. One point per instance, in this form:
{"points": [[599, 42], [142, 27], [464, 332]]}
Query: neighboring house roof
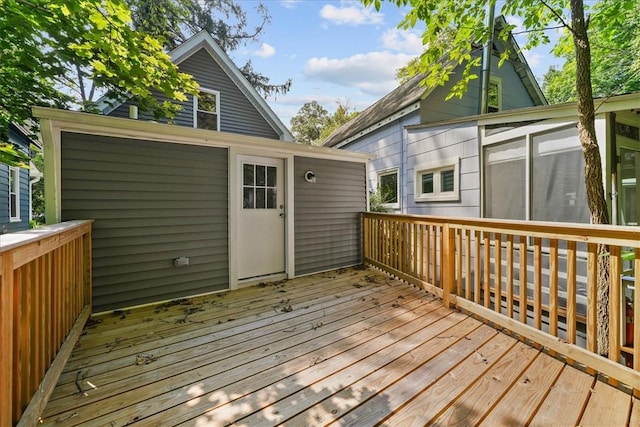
{"points": [[203, 40], [406, 97]]}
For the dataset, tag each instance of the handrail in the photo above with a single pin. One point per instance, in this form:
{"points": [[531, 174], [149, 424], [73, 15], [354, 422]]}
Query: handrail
{"points": [[45, 299], [479, 265]]}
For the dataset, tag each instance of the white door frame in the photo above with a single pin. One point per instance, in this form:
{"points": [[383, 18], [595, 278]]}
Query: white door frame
{"points": [[234, 204]]}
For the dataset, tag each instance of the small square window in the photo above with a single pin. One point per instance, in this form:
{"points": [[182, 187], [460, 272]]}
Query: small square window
{"points": [[438, 182]]}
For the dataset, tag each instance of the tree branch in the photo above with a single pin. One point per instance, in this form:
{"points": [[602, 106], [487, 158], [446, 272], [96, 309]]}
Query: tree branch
{"points": [[560, 18]]}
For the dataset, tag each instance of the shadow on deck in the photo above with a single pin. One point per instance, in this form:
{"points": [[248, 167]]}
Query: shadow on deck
{"points": [[348, 347]]}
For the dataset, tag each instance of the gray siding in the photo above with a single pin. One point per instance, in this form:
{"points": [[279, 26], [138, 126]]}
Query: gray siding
{"points": [[237, 113], [514, 95], [152, 202], [429, 145], [328, 231]]}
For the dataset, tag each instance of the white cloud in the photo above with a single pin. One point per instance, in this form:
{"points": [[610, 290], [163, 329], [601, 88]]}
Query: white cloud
{"points": [[289, 4], [402, 41], [265, 51], [373, 73], [350, 13]]}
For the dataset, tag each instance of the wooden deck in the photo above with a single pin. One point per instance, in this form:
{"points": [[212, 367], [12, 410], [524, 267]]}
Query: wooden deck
{"points": [[349, 347]]}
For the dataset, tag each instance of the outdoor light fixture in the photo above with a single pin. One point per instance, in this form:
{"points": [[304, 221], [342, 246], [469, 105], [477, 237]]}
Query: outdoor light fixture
{"points": [[310, 176]]}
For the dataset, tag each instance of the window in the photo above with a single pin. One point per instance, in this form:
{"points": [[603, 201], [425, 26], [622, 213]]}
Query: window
{"points": [[388, 187], [438, 182], [539, 176], [558, 190], [14, 194], [206, 108], [505, 180], [259, 186], [495, 95]]}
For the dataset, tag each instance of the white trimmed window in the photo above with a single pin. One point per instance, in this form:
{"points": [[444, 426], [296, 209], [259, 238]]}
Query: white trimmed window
{"points": [[495, 94], [14, 194], [389, 188], [206, 110], [438, 181]]}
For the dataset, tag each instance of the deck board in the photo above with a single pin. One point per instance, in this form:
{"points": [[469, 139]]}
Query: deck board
{"points": [[348, 347]]}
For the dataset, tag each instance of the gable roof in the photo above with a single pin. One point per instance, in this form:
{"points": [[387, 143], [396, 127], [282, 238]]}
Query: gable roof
{"points": [[203, 40], [406, 97]]}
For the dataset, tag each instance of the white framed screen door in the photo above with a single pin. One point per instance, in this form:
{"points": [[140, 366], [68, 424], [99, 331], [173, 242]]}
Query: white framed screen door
{"points": [[261, 217]]}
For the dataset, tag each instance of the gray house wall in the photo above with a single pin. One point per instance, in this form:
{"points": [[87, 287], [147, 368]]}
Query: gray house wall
{"points": [[439, 143], [436, 108], [328, 226], [237, 113], [152, 202]]}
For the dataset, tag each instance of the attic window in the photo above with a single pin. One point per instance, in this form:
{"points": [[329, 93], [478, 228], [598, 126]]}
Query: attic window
{"points": [[207, 110], [495, 95]]}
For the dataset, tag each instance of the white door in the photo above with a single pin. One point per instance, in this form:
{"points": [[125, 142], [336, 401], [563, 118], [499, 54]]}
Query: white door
{"points": [[261, 235]]}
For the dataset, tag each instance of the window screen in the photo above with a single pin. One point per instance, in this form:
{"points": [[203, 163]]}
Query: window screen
{"points": [[557, 182], [505, 180]]}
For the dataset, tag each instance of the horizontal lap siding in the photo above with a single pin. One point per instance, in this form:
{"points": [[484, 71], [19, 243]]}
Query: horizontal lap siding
{"points": [[237, 113], [328, 232], [152, 202]]}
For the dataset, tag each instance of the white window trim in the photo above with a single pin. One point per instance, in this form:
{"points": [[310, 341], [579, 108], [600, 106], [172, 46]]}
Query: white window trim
{"points": [[390, 172], [498, 81], [15, 171], [195, 107], [436, 168]]}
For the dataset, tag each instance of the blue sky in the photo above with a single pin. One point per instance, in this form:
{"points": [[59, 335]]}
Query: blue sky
{"points": [[337, 50]]}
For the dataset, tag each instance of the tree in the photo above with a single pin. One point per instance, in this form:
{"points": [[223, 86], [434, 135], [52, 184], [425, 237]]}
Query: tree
{"points": [[313, 124], [176, 20], [308, 124], [343, 114], [613, 69], [43, 41], [468, 19]]}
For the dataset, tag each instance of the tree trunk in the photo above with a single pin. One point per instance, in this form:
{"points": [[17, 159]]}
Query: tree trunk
{"points": [[593, 165]]}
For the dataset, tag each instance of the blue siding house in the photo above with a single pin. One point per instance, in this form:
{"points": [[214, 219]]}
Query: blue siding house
{"points": [[14, 187], [381, 131]]}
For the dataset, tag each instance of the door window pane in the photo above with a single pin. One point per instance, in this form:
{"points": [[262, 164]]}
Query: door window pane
{"points": [[504, 180], [271, 198], [247, 173], [248, 198], [260, 198], [261, 178], [271, 176]]}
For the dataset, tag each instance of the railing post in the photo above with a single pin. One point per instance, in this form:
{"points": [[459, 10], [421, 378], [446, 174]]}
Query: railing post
{"points": [[6, 338], [448, 266]]}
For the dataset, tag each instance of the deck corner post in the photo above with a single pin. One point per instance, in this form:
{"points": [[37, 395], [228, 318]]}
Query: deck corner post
{"points": [[448, 270], [6, 338]]}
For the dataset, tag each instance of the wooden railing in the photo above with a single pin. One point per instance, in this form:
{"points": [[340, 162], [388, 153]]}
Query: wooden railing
{"points": [[45, 299], [536, 279]]}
